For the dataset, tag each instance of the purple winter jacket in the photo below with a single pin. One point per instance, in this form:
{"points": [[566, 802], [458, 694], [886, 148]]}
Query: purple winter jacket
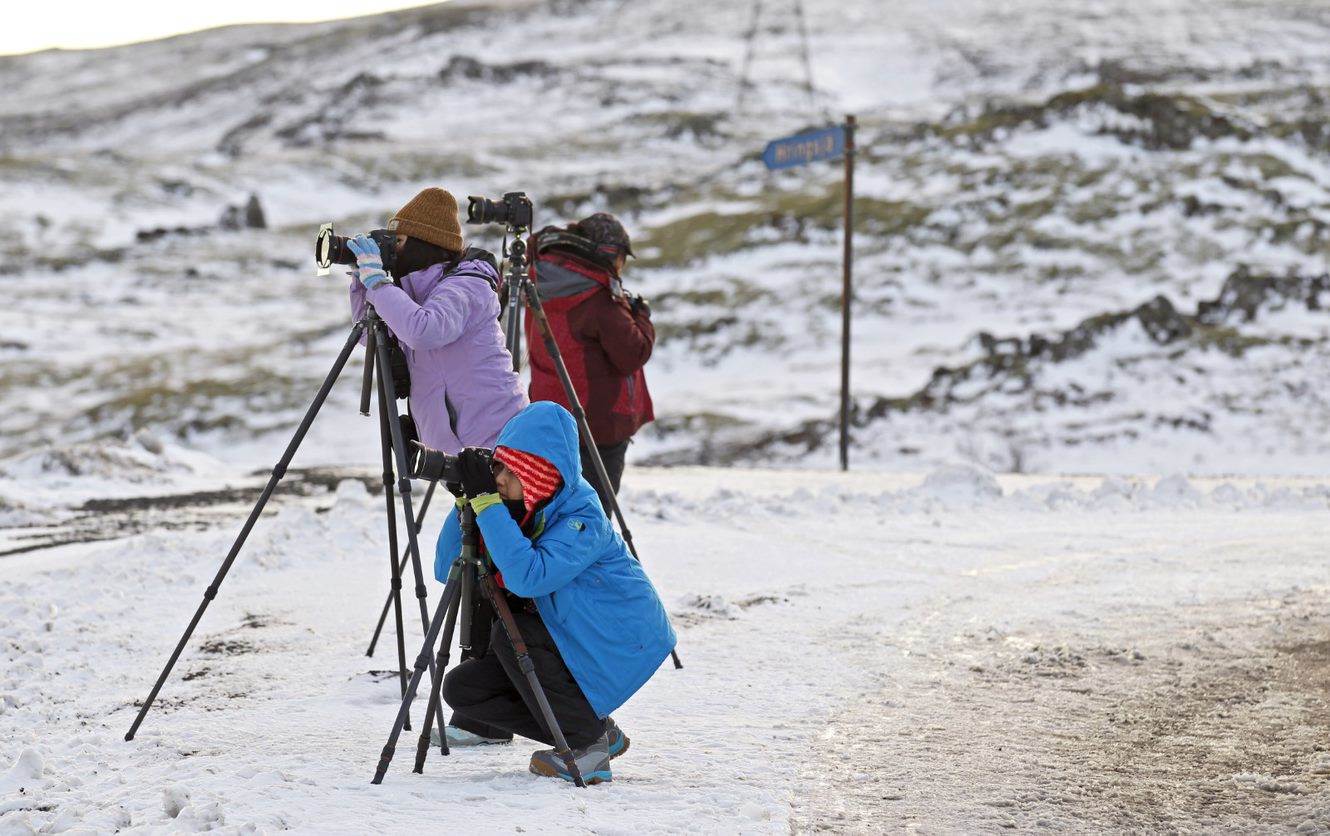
{"points": [[463, 387]]}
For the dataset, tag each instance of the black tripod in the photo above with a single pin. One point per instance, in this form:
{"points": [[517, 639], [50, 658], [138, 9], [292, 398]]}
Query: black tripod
{"points": [[406, 555], [518, 283], [469, 572], [393, 446]]}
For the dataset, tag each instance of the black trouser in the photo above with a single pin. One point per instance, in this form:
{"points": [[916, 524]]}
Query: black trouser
{"points": [[612, 456], [492, 691], [482, 621]]}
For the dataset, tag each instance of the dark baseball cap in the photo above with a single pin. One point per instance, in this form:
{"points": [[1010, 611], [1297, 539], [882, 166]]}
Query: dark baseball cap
{"points": [[604, 230]]}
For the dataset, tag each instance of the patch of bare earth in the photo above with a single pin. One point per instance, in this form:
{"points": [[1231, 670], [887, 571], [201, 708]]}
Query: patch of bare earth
{"points": [[1212, 719]]}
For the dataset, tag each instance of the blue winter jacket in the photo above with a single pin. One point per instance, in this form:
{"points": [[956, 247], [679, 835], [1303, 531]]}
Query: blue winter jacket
{"points": [[601, 610]]}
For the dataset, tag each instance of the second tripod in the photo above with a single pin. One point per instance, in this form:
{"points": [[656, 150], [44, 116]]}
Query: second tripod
{"points": [[519, 287]]}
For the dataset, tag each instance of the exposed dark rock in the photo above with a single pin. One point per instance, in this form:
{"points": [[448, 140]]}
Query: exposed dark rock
{"points": [[697, 126], [249, 216], [1169, 120], [1193, 206], [232, 141], [1244, 295], [1011, 365], [180, 188], [473, 69], [326, 125], [254, 218], [158, 232], [360, 83]]}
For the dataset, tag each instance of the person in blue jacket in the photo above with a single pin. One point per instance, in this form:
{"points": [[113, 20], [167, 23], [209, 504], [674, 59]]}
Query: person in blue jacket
{"points": [[593, 623]]}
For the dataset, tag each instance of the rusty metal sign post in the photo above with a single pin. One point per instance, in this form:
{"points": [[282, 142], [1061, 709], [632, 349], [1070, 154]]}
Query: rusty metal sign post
{"points": [[801, 149]]}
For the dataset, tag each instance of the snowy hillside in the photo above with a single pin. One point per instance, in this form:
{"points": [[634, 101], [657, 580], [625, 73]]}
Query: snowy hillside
{"points": [[862, 654], [1051, 198]]}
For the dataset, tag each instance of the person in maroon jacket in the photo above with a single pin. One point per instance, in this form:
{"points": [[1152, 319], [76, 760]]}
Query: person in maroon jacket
{"points": [[604, 335]]}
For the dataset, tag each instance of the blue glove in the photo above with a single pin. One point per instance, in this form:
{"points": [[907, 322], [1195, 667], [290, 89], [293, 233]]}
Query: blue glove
{"points": [[369, 262]]}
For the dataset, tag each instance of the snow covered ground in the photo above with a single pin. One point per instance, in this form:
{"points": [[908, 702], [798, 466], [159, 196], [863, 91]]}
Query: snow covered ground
{"points": [[946, 651]]}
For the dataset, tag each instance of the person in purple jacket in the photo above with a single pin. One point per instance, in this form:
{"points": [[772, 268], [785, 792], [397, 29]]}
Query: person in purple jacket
{"points": [[443, 310], [442, 307]]}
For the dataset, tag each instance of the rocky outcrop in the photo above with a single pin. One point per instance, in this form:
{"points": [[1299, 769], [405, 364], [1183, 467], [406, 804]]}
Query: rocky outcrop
{"points": [[1012, 366], [248, 216], [1150, 120]]}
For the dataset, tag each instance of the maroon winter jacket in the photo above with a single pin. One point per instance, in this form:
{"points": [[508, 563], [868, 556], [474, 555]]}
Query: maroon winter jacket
{"points": [[604, 345]]}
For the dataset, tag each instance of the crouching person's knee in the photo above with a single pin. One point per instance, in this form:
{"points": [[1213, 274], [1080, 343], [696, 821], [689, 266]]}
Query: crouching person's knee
{"points": [[454, 689], [500, 644]]}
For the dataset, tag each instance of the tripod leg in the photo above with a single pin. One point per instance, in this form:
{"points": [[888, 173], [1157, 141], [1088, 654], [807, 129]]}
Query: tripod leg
{"points": [[401, 567], [278, 472], [395, 445], [393, 567], [367, 376], [528, 669], [512, 328], [394, 438], [446, 603], [584, 428], [434, 708]]}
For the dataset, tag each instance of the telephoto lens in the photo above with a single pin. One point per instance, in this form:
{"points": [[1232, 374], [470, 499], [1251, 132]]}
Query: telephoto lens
{"points": [[480, 210], [433, 465]]}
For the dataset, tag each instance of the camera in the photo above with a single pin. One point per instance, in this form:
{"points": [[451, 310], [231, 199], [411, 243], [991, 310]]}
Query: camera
{"points": [[513, 209], [330, 248]]}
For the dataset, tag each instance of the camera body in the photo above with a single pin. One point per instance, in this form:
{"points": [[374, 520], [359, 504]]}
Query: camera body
{"points": [[330, 248], [513, 209]]}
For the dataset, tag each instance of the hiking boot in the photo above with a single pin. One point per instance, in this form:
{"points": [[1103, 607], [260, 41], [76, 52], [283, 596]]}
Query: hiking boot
{"points": [[593, 762], [615, 739], [461, 737]]}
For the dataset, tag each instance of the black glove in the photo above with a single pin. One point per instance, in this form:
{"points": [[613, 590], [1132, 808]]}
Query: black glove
{"points": [[638, 305], [477, 477]]}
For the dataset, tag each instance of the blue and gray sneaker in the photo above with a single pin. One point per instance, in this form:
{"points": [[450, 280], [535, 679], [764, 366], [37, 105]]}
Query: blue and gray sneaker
{"points": [[461, 737], [615, 739], [593, 762]]}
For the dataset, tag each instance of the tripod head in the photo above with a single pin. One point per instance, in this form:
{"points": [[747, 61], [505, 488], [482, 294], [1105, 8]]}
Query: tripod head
{"points": [[516, 213]]}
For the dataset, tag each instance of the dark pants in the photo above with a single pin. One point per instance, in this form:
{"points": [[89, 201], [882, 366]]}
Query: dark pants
{"points": [[491, 691], [482, 622], [612, 455]]}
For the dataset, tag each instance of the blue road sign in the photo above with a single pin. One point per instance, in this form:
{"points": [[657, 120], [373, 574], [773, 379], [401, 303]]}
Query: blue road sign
{"points": [[801, 149]]}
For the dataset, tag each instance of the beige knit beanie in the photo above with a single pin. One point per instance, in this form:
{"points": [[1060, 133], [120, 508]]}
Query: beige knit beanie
{"points": [[430, 216]]}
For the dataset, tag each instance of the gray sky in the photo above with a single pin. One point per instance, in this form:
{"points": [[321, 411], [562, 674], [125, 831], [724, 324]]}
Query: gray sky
{"points": [[82, 24]]}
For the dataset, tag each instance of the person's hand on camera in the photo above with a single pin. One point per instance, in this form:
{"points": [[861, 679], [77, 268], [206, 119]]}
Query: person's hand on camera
{"points": [[477, 475], [369, 261], [638, 305]]}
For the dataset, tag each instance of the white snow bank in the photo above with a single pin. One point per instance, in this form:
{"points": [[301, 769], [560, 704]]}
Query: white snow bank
{"points": [[792, 593]]}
